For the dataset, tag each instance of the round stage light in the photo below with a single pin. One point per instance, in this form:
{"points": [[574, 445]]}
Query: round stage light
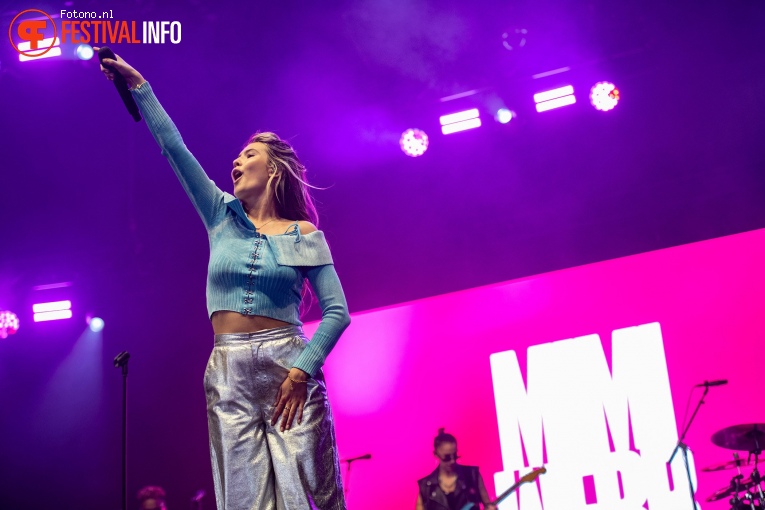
{"points": [[84, 52], [96, 324], [504, 115], [604, 96], [9, 323], [414, 142], [514, 38]]}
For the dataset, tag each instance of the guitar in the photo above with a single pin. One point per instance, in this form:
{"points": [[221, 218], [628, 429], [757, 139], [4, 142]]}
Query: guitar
{"points": [[530, 477]]}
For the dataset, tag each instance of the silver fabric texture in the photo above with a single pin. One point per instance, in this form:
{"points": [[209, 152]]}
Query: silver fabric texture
{"points": [[255, 465]]}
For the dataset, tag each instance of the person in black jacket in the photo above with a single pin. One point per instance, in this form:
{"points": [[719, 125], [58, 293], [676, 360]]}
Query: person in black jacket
{"points": [[451, 486]]}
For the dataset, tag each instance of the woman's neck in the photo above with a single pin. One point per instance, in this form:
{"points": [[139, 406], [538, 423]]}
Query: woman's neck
{"points": [[446, 471], [259, 209]]}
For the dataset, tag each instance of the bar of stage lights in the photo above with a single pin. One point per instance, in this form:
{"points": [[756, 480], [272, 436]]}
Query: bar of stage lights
{"points": [[52, 311], [52, 306], [554, 98], [460, 126], [53, 315], [42, 45]]}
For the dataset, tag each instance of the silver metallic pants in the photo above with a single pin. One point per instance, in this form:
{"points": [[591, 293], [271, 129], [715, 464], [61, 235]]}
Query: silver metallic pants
{"points": [[255, 465]]}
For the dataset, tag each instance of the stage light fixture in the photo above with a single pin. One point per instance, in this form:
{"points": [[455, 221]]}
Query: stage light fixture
{"points": [[504, 115], [96, 324], [514, 38], [84, 52], [555, 98], [52, 311], [604, 96], [9, 323], [52, 306], [414, 142], [460, 121]]}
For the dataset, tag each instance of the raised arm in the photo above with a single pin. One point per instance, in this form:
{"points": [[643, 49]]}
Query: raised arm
{"points": [[206, 197]]}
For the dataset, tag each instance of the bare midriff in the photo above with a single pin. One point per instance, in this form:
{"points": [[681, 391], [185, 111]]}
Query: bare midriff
{"points": [[225, 321]]}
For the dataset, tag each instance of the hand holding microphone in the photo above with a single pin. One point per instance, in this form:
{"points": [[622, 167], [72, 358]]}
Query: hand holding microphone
{"points": [[124, 77]]}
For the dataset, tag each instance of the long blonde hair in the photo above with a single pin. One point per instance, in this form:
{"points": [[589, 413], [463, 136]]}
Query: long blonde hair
{"points": [[289, 182]]}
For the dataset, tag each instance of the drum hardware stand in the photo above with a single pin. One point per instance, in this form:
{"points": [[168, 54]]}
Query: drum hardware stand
{"points": [[735, 482], [756, 479], [745, 493]]}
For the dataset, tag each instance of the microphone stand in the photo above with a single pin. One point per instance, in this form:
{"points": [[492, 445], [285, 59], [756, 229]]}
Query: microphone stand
{"points": [[348, 470], [682, 446], [121, 360]]}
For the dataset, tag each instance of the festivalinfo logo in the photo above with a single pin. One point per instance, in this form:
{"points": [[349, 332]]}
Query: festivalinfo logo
{"points": [[37, 31]]}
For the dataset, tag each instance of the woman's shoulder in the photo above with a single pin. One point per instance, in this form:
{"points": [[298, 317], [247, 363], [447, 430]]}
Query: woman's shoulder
{"points": [[306, 227]]}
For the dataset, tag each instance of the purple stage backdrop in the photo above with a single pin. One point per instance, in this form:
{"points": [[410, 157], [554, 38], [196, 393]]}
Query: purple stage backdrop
{"points": [[586, 370]]}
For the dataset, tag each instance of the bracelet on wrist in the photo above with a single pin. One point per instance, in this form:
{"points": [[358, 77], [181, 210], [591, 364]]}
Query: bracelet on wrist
{"points": [[295, 380]]}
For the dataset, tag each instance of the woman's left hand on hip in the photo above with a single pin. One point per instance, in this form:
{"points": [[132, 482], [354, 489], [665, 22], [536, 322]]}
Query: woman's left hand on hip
{"points": [[290, 400]]}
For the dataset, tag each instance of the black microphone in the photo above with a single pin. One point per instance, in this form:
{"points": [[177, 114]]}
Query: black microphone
{"points": [[198, 496], [121, 359], [120, 83], [718, 382]]}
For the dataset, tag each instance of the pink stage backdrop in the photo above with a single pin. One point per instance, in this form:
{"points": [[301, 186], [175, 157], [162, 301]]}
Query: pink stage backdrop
{"points": [[587, 370]]}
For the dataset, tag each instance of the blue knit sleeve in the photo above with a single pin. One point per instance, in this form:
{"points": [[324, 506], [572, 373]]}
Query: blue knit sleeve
{"points": [[310, 252], [334, 318], [206, 197]]}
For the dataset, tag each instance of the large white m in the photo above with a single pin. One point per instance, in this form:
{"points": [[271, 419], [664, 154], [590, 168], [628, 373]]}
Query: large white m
{"points": [[615, 433]]}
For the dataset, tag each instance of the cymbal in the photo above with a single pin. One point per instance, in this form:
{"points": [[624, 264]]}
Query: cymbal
{"points": [[749, 437], [729, 490], [731, 464]]}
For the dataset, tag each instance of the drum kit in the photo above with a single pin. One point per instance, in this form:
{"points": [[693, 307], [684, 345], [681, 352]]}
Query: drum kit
{"points": [[743, 493]]}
